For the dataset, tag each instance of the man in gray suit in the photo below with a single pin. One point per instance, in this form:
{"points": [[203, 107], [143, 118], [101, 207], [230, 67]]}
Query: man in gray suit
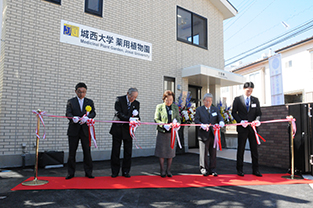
{"points": [[205, 115]]}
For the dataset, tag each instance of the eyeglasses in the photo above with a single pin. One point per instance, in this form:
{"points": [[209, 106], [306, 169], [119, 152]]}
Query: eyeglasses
{"points": [[81, 92]]}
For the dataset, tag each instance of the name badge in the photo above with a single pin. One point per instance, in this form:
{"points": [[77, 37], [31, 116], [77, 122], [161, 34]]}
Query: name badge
{"points": [[214, 114], [253, 105]]}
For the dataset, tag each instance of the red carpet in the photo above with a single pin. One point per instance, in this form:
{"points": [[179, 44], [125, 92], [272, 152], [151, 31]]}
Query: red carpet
{"points": [[177, 181]]}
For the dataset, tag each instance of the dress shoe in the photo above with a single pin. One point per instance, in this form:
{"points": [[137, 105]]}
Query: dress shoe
{"points": [[114, 175], [203, 172], [89, 176], [69, 177], [240, 173], [213, 173], [169, 174], [126, 175], [162, 174], [257, 173]]}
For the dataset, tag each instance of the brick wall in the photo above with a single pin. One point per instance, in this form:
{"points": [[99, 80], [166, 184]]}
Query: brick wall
{"points": [[275, 151]]}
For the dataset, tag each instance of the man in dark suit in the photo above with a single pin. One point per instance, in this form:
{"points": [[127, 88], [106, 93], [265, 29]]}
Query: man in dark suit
{"points": [[205, 115], [246, 108], [127, 109], [78, 129]]}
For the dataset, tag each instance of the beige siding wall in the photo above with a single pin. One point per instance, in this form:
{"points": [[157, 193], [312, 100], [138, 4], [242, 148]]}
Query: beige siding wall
{"points": [[39, 72]]}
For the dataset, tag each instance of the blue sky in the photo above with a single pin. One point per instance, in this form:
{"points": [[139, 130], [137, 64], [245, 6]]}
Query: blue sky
{"points": [[259, 21]]}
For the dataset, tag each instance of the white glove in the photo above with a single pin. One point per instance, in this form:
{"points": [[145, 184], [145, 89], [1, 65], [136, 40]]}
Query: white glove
{"points": [[75, 119], [167, 127], [222, 124], [135, 112], [174, 120], [133, 119], [204, 126], [83, 120], [244, 123], [257, 123]]}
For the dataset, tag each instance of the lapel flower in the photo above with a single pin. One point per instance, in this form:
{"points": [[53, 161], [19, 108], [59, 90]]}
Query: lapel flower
{"points": [[88, 108]]}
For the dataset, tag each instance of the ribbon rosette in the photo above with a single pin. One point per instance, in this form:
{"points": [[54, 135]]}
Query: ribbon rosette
{"points": [[92, 133], [174, 133], [39, 115], [133, 124], [88, 109], [257, 136], [217, 137]]}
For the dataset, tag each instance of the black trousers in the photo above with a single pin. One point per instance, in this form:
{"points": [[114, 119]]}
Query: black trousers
{"points": [[242, 139], [73, 144], [115, 155]]}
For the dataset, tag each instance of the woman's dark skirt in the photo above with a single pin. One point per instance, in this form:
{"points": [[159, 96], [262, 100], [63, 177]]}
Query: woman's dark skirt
{"points": [[163, 145]]}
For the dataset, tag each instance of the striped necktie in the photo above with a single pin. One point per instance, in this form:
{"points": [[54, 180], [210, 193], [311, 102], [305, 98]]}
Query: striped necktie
{"points": [[247, 103]]}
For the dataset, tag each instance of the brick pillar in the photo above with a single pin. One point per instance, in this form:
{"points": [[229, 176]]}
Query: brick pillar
{"points": [[275, 151]]}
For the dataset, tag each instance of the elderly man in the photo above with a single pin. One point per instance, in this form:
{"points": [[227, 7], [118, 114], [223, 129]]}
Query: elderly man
{"points": [[246, 108], [207, 115], [78, 129], [127, 109]]}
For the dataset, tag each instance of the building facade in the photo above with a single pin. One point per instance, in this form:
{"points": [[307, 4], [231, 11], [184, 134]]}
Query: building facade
{"points": [[47, 46], [296, 61]]}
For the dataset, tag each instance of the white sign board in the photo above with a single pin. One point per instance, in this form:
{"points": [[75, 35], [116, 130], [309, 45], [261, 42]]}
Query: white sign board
{"points": [[89, 37], [276, 79]]}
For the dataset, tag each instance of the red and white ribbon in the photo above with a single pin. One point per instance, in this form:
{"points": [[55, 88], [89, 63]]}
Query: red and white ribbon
{"points": [[92, 133], [257, 136], [39, 115], [174, 133], [293, 123], [217, 137], [132, 128]]}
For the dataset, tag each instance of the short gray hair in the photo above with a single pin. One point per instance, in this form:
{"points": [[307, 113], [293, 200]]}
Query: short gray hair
{"points": [[131, 90], [207, 95]]}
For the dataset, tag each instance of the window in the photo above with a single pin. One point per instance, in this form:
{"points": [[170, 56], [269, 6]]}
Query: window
{"points": [[94, 7], [169, 84], [289, 64], [191, 28], [55, 1]]}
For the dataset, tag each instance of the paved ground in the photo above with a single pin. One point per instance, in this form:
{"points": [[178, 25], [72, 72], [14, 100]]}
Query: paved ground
{"points": [[299, 195]]}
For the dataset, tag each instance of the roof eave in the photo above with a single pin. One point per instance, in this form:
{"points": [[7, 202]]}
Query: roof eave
{"points": [[225, 7]]}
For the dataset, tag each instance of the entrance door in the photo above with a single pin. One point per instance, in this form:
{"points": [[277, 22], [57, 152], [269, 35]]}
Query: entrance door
{"points": [[195, 92]]}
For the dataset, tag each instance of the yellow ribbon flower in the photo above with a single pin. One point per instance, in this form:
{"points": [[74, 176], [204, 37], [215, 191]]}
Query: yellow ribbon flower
{"points": [[88, 108]]}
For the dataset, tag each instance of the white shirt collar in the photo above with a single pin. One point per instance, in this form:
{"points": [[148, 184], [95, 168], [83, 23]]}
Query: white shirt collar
{"points": [[246, 97], [80, 99], [127, 99]]}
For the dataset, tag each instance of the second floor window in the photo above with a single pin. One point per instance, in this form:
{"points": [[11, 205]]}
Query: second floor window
{"points": [[94, 7], [55, 1], [191, 28]]}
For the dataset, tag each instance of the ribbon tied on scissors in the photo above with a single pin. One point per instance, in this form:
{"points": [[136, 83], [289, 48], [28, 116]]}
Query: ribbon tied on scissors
{"points": [[133, 124], [92, 133], [174, 133], [217, 137], [254, 124]]}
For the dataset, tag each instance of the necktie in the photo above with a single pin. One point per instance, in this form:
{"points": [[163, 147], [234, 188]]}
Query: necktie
{"points": [[209, 113], [128, 104], [247, 103], [81, 104]]}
